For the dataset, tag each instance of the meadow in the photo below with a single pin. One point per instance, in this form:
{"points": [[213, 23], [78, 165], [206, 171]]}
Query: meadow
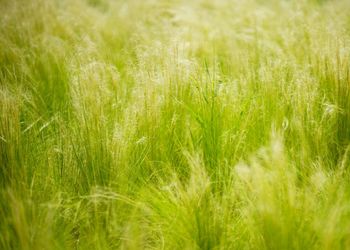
{"points": [[175, 124]]}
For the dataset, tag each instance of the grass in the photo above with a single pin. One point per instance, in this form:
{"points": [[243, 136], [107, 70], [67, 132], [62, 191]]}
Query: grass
{"points": [[174, 124]]}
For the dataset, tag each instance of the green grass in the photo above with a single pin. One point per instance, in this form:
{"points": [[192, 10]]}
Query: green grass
{"points": [[174, 124]]}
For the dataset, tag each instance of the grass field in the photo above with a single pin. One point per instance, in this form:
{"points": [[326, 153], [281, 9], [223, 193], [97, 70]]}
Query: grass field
{"points": [[177, 124]]}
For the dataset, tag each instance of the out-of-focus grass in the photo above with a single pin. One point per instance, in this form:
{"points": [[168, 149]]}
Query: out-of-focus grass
{"points": [[174, 124]]}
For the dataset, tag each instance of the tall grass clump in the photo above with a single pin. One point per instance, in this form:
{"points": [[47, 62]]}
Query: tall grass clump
{"points": [[174, 124]]}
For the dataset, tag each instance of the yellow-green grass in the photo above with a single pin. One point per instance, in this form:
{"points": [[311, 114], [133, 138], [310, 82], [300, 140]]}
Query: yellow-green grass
{"points": [[177, 124]]}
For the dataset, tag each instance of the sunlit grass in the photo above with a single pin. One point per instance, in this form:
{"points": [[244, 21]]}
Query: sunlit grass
{"points": [[174, 124]]}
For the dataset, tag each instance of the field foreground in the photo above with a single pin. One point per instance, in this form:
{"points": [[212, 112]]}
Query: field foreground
{"points": [[177, 124]]}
